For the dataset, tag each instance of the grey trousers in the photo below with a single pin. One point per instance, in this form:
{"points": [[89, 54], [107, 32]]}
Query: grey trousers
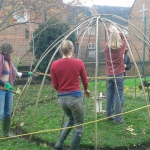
{"points": [[74, 109]]}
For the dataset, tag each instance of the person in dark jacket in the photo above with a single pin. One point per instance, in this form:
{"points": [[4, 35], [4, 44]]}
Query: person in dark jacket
{"points": [[127, 66], [127, 61]]}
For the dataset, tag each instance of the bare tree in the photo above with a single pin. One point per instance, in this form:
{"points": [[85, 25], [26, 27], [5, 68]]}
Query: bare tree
{"points": [[13, 12]]}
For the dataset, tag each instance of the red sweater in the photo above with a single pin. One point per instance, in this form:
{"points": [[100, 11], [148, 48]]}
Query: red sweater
{"points": [[117, 59], [65, 74]]}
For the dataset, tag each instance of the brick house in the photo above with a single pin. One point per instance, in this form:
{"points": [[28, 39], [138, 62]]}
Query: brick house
{"points": [[114, 10], [86, 44], [139, 16], [21, 34], [87, 48]]}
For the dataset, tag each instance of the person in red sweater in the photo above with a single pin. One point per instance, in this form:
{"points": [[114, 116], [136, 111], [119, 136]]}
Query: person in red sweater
{"points": [[65, 73], [114, 51]]}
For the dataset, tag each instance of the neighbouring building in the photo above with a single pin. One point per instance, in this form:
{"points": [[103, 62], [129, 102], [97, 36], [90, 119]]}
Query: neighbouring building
{"points": [[24, 22], [87, 48], [21, 34], [86, 44], [139, 17]]}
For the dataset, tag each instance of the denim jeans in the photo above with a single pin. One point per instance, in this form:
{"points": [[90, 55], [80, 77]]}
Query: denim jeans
{"points": [[115, 89], [122, 100], [74, 109], [6, 104]]}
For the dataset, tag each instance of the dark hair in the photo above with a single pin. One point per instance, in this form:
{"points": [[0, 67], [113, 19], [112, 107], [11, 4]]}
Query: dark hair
{"points": [[126, 51], [66, 47], [6, 48]]}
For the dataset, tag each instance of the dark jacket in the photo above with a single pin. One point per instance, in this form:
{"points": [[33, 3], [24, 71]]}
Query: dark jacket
{"points": [[127, 62]]}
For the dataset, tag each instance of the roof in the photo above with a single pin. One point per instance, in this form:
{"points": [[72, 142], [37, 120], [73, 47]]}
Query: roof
{"points": [[114, 10], [78, 13], [132, 7]]}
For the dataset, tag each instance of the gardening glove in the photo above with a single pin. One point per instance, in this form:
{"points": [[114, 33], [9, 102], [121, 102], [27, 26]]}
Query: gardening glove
{"points": [[8, 87], [30, 74]]}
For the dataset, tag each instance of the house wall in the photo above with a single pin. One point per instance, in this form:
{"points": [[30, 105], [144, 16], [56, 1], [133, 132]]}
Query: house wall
{"points": [[86, 39], [90, 69], [17, 36], [83, 51], [136, 18]]}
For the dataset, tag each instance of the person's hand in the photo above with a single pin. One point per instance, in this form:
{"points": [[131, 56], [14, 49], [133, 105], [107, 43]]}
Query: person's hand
{"points": [[125, 65], [8, 87], [30, 74], [87, 93]]}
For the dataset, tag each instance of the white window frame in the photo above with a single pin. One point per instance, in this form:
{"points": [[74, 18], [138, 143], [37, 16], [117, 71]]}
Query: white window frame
{"points": [[91, 46]]}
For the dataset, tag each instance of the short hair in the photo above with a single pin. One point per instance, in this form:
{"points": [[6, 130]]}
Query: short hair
{"points": [[6, 48], [66, 47]]}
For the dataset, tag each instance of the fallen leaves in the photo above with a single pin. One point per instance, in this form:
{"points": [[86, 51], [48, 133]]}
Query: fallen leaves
{"points": [[131, 130]]}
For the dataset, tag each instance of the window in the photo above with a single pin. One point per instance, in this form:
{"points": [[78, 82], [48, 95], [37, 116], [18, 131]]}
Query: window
{"points": [[26, 33], [91, 46], [91, 30], [91, 54]]}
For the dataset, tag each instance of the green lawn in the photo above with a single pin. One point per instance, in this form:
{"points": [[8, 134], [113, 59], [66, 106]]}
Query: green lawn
{"points": [[49, 117]]}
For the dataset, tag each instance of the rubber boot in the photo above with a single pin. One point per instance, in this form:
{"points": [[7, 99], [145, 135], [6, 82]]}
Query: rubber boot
{"points": [[75, 140], [63, 135], [6, 126]]}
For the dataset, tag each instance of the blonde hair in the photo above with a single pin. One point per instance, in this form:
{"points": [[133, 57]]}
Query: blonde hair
{"points": [[66, 47], [6, 49], [115, 40]]}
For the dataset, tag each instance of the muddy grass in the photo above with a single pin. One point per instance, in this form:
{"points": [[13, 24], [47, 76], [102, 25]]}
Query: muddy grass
{"points": [[143, 146]]}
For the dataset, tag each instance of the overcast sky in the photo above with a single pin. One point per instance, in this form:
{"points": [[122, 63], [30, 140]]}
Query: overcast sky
{"points": [[123, 3]]}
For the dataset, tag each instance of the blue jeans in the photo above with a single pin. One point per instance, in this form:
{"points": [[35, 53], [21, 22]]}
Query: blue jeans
{"points": [[6, 104], [74, 109], [122, 100], [115, 89]]}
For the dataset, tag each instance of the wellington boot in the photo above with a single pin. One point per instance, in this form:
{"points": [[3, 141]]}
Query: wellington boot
{"points": [[6, 126], [63, 135], [76, 138]]}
